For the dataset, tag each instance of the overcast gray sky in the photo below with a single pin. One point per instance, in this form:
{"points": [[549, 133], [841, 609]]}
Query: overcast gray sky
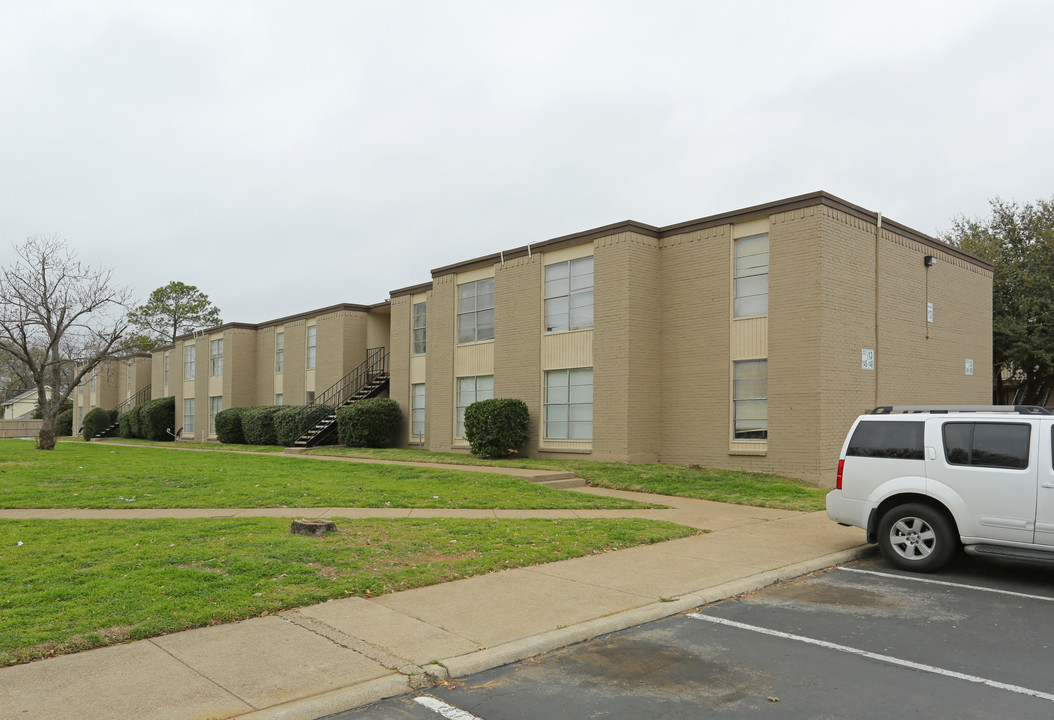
{"points": [[286, 156]]}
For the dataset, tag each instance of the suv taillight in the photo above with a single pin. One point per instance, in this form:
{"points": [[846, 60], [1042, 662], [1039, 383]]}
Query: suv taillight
{"points": [[838, 483]]}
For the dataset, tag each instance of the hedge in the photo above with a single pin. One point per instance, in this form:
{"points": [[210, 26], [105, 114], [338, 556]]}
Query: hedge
{"points": [[126, 426], [496, 428], [258, 425], [64, 423], [96, 420], [369, 423], [157, 418], [229, 426], [135, 420], [294, 420]]}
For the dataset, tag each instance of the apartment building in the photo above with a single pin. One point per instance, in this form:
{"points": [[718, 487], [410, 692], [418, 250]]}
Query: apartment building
{"points": [[279, 362], [748, 340], [110, 385]]}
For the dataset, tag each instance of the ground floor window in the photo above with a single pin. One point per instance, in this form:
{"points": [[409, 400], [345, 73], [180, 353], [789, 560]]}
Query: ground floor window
{"points": [[188, 415], [417, 409], [569, 404], [750, 399], [215, 406], [278, 399], [470, 390]]}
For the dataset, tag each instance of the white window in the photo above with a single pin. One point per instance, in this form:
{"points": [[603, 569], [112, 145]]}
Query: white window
{"points": [[94, 379], [750, 387], [311, 347], [278, 400], [475, 311], [417, 409], [168, 358], [310, 397], [215, 406], [279, 352], [189, 352], [188, 415], [216, 358], [569, 404], [569, 295], [419, 322], [470, 390], [752, 276]]}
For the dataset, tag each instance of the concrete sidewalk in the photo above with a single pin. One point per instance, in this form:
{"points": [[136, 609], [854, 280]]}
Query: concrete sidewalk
{"points": [[307, 663]]}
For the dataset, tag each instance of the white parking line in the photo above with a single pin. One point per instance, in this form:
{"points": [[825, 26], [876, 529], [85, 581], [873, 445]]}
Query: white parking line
{"points": [[949, 584], [875, 656], [448, 711]]}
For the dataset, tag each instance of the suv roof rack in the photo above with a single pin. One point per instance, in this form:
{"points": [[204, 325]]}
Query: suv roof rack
{"points": [[1019, 409]]}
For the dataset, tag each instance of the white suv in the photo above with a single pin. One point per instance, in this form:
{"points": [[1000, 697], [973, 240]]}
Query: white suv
{"points": [[924, 481]]}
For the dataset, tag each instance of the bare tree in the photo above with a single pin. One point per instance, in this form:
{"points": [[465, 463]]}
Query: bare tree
{"points": [[56, 312]]}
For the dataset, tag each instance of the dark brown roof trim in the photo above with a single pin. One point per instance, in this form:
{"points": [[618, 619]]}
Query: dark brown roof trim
{"points": [[735, 216], [420, 287], [278, 321], [549, 245]]}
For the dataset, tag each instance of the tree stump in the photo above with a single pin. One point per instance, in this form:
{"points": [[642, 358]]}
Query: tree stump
{"points": [[316, 527]]}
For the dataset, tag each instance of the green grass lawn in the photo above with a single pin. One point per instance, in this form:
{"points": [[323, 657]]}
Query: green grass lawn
{"points": [[77, 584], [185, 445], [101, 475], [729, 486]]}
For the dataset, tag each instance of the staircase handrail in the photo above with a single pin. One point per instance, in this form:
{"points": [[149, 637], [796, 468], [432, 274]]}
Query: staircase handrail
{"points": [[335, 395], [140, 397]]}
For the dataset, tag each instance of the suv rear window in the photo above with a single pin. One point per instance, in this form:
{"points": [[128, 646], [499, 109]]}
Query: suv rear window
{"points": [[998, 445], [884, 439]]}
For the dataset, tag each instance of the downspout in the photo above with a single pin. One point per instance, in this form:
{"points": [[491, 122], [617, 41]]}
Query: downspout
{"points": [[878, 239]]}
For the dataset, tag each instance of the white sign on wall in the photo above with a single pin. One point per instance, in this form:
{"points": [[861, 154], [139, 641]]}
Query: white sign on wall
{"points": [[929, 312], [867, 359], [969, 366]]}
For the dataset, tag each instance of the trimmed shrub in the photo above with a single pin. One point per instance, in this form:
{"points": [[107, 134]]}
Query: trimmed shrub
{"points": [[96, 420], [229, 426], [496, 428], [156, 418], [294, 420], [125, 430], [64, 423], [369, 423], [135, 420], [258, 425]]}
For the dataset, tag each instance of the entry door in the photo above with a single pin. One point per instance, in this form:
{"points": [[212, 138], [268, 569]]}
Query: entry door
{"points": [[989, 469]]}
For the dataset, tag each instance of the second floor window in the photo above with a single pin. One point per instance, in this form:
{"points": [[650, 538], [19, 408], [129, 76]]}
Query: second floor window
{"points": [[751, 281], [216, 358], [475, 311], [279, 352], [569, 295], [311, 347], [420, 317], [189, 352]]}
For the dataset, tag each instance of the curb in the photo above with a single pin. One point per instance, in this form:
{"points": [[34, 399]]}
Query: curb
{"points": [[356, 696]]}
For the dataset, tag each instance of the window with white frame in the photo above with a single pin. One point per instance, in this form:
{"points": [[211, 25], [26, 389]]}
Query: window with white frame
{"points": [[168, 358], [470, 390], [569, 295], [751, 278], [215, 406], [475, 311], [420, 319], [310, 397], [94, 379], [188, 415], [311, 347], [279, 352], [750, 388], [417, 409], [189, 353], [279, 399], [216, 358], [569, 404]]}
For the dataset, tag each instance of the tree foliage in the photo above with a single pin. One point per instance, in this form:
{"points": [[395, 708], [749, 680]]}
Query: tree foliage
{"points": [[1019, 241], [60, 318], [173, 310]]}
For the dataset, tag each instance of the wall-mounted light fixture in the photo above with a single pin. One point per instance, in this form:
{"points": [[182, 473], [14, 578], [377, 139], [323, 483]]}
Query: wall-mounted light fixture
{"points": [[930, 260]]}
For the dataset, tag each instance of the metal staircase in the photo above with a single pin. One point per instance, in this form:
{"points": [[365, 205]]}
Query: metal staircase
{"points": [[140, 397], [367, 380]]}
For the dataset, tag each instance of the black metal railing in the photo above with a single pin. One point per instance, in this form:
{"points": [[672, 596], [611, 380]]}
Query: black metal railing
{"points": [[375, 366], [140, 397]]}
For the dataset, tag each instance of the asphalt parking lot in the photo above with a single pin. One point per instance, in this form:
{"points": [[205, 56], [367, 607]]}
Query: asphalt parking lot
{"points": [[857, 641]]}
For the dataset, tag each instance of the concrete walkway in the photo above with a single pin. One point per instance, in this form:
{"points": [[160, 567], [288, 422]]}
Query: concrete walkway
{"points": [[307, 663]]}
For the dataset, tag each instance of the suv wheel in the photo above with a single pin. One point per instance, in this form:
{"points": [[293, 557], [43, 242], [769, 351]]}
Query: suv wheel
{"points": [[916, 537]]}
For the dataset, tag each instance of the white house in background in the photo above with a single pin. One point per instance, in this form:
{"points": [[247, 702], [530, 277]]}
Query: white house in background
{"points": [[21, 406]]}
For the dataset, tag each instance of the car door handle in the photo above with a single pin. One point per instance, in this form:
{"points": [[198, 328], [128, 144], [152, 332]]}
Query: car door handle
{"points": [[1047, 485]]}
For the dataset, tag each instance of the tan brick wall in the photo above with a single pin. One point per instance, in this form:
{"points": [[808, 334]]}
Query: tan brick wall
{"points": [[695, 294], [293, 376], [518, 327], [239, 368], [399, 363], [627, 370], [264, 387], [442, 337]]}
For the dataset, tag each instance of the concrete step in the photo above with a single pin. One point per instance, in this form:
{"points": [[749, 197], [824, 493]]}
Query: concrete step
{"points": [[571, 482]]}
